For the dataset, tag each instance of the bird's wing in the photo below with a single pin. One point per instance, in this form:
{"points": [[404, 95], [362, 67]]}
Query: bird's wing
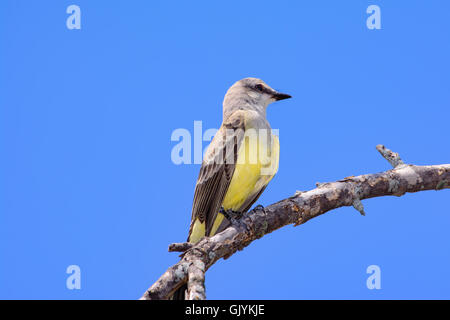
{"points": [[217, 171]]}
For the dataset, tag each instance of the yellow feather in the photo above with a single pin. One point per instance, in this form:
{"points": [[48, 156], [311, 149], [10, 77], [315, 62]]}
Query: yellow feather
{"points": [[198, 231]]}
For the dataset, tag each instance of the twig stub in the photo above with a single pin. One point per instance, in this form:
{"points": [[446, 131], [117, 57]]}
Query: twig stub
{"points": [[393, 157], [180, 247]]}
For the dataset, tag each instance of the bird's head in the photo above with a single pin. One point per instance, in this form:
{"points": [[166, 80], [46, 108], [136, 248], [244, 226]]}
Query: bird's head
{"points": [[252, 91]]}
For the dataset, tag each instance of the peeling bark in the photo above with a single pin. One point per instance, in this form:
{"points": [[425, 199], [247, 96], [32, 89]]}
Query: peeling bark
{"points": [[298, 209]]}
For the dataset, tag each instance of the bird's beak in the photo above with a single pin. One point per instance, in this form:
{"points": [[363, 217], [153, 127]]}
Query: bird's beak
{"points": [[280, 96]]}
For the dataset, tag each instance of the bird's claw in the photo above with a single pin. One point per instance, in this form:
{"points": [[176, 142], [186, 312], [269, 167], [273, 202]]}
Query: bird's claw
{"points": [[231, 214], [259, 207]]}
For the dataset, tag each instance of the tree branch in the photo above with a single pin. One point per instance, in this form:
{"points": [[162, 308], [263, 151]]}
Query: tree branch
{"points": [[196, 278], [296, 210]]}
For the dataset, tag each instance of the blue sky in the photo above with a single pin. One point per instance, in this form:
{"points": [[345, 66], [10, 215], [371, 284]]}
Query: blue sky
{"points": [[86, 118]]}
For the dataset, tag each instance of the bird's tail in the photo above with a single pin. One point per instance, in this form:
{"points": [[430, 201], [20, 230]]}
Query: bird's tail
{"points": [[180, 294]]}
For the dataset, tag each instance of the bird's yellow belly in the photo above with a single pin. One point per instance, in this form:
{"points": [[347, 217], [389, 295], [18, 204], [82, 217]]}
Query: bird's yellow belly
{"points": [[253, 171]]}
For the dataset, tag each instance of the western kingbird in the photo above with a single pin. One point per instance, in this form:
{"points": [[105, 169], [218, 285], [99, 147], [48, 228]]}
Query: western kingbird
{"points": [[239, 163]]}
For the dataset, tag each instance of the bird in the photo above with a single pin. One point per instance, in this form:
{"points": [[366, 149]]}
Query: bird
{"points": [[238, 164]]}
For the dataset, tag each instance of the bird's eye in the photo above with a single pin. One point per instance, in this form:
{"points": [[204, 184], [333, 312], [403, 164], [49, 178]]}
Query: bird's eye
{"points": [[259, 87]]}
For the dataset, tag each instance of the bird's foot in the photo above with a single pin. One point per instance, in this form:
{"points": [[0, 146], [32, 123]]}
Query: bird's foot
{"points": [[231, 214], [258, 207]]}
